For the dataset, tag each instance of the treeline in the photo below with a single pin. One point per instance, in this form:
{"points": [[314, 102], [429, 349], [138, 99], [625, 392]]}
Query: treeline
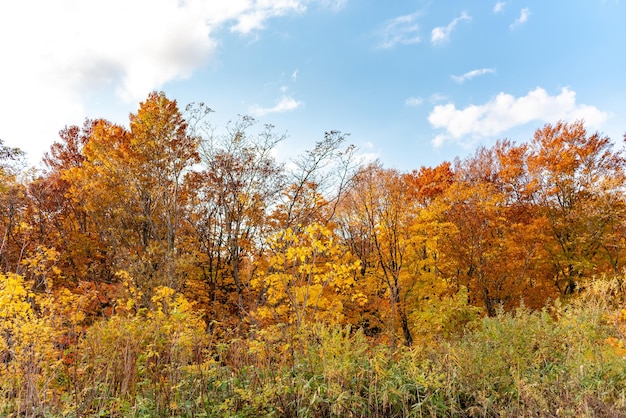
{"points": [[204, 235]]}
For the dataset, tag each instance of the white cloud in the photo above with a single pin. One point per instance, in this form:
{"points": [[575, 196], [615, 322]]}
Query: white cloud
{"points": [[401, 30], [437, 97], [506, 111], [252, 15], [523, 18], [294, 75], [367, 153], [471, 74], [334, 5], [285, 104], [63, 52], [499, 7], [413, 101], [441, 34]]}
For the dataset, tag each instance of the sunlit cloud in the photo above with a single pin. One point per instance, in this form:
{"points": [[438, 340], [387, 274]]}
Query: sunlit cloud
{"points": [[471, 74], [499, 7], [465, 126], [63, 52], [441, 34]]}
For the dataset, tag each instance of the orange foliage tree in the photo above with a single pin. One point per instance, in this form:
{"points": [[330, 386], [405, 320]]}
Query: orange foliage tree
{"points": [[131, 185], [496, 242], [577, 182]]}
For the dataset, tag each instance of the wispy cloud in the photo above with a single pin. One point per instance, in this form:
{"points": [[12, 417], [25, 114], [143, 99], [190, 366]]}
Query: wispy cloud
{"points": [[401, 30], [294, 75], [413, 101], [437, 97], [284, 104], [523, 18], [258, 13], [335, 5], [471, 74], [499, 7], [441, 34], [505, 111]]}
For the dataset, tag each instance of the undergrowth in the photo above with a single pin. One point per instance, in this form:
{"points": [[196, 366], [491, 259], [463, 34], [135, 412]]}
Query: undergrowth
{"points": [[565, 360]]}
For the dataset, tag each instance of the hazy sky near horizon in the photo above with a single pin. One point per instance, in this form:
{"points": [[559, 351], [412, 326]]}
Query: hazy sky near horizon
{"points": [[413, 82]]}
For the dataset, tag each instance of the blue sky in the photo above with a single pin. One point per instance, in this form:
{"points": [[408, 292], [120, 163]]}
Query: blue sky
{"points": [[413, 82]]}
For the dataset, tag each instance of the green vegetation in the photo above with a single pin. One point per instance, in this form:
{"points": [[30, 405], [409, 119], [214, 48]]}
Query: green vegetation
{"points": [[566, 360]]}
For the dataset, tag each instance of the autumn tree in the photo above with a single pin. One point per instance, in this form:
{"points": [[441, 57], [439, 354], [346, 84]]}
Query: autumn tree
{"points": [[13, 204], [533, 220], [379, 221], [238, 185], [131, 182], [495, 247], [310, 278], [245, 196], [63, 222], [160, 153], [316, 183], [578, 182]]}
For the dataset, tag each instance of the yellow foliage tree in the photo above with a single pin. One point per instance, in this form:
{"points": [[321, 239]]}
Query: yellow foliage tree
{"points": [[310, 278], [29, 360]]}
